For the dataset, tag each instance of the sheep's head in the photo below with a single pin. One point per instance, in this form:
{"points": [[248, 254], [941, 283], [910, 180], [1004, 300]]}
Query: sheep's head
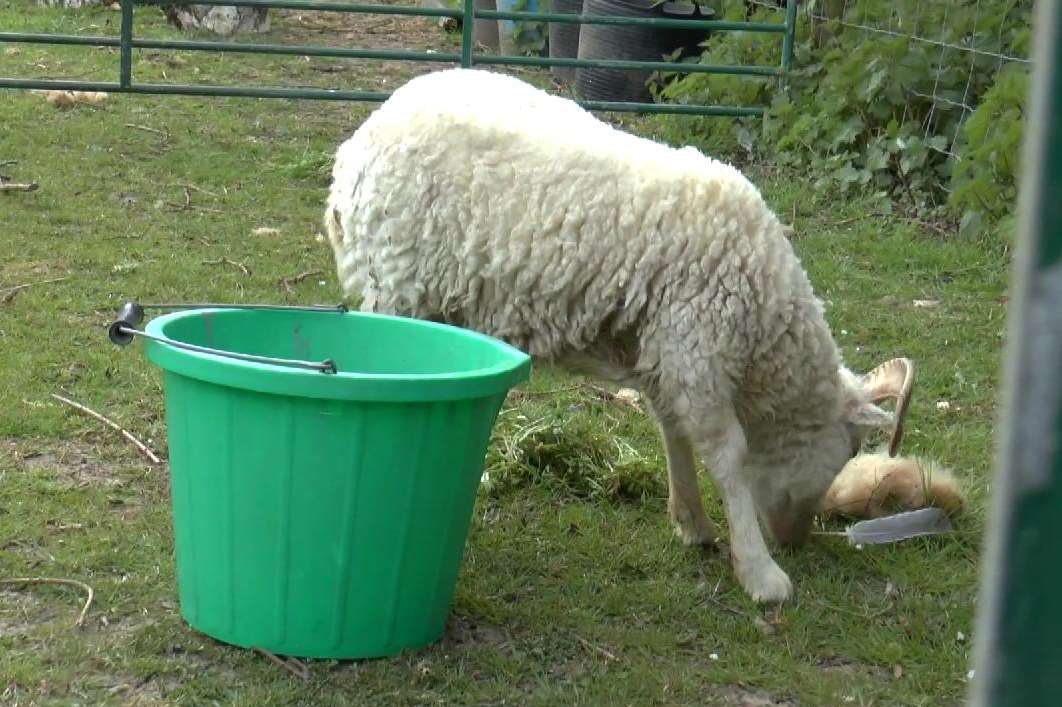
{"points": [[790, 483]]}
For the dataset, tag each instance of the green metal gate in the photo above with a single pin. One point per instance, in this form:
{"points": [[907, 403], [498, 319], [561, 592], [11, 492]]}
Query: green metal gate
{"points": [[126, 42], [1019, 633]]}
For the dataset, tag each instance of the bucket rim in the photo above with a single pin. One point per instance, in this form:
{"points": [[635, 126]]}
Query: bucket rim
{"points": [[513, 367]]}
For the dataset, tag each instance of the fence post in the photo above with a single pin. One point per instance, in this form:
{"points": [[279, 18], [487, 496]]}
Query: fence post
{"points": [[125, 67], [467, 22], [1019, 632], [790, 34]]}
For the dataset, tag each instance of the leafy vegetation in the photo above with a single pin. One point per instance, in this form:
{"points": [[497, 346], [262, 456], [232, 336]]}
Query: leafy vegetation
{"points": [[881, 111], [984, 182]]}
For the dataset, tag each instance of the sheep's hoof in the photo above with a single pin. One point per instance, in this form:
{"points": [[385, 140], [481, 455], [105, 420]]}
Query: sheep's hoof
{"points": [[767, 585], [716, 547], [706, 538]]}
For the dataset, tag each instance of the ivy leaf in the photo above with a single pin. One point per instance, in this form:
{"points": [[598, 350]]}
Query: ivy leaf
{"points": [[877, 159], [847, 174]]}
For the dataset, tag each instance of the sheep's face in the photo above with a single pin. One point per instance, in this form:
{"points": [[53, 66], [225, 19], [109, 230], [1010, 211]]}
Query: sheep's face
{"points": [[790, 481]]}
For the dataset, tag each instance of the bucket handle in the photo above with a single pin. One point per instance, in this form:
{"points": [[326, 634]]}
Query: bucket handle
{"points": [[122, 331]]}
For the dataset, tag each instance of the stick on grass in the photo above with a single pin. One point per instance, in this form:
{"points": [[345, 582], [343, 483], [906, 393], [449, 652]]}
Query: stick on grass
{"points": [[9, 293], [288, 282], [18, 186], [295, 667], [89, 593], [226, 261], [144, 449]]}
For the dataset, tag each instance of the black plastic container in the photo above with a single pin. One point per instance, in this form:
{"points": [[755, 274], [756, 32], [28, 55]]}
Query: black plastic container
{"points": [[564, 38], [637, 43]]}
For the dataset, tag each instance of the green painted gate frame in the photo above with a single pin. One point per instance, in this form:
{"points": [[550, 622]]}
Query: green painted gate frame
{"points": [[126, 43]]}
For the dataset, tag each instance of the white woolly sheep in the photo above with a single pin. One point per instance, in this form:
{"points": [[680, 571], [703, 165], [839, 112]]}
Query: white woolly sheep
{"points": [[476, 199]]}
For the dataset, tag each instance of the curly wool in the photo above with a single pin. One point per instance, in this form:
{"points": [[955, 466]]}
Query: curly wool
{"points": [[476, 199], [472, 197]]}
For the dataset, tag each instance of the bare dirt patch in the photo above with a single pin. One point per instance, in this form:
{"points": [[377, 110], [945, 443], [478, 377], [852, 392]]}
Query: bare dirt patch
{"points": [[839, 665], [362, 31], [738, 696], [462, 631], [21, 612], [70, 461]]}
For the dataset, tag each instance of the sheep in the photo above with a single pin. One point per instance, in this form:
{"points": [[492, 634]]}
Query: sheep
{"points": [[474, 198]]}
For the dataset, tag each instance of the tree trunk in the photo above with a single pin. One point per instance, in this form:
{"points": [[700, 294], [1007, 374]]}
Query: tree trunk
{"points": [[219, 20]]}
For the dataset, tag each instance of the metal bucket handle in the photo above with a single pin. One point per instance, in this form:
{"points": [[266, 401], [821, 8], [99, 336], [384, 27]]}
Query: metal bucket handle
{"points": [[122, 331]]}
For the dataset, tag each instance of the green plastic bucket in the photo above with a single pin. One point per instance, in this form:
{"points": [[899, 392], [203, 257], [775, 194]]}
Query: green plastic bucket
{"points": [[325, 515]]}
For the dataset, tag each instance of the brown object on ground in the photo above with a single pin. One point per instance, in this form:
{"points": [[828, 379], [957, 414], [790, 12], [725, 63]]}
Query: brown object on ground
{"points": [[875, 485], [68, 99]]}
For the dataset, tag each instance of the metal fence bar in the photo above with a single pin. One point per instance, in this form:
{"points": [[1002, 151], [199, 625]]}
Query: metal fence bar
{"points": [[125, 70], [677, 67], [247, 48], [716, 25], [336, 95], [790, 34], [347, 7], [322, 94], [59, 39], [398, 55], [295, 50], [672, 108], [126, 43], [466, 33]]}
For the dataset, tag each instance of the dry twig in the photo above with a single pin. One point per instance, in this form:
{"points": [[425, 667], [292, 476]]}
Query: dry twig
{"points": [[288, 282], [597, 648], [612, 397], [201, 190], [89, 593], [145, 128], [293, 666], [520, 393], [225, 261], [6, 185], [144, 449], [9, 293], [188, 205]]}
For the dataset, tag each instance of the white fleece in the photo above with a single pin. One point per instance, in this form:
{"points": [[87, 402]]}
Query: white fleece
{"points": [[477, 199]]}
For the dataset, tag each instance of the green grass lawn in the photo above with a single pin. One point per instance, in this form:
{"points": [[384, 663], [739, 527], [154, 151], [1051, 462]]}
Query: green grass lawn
{"points": [[573, 590]]}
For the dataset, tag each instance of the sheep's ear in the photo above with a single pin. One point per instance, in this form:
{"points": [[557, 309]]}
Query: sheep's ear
{"points": [[870, 415], [892, 379]]}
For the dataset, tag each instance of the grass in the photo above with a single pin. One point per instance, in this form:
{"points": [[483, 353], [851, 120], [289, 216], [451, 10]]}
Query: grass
{"points": [[573, 590]]}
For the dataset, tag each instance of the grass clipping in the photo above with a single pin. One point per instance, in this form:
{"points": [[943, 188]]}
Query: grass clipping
{"points": [[579, 455]]}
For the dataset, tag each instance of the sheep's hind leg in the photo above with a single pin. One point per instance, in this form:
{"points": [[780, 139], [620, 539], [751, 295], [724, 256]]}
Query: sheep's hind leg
{"points": [[721, 441], [684, 505]]}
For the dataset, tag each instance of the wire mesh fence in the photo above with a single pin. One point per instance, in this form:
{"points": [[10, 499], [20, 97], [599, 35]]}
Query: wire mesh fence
{"points": [[967, 43]]}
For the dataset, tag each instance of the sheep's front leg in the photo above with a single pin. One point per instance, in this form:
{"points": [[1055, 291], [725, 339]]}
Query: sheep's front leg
{"points": [[721, 441], [684, 504]]}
